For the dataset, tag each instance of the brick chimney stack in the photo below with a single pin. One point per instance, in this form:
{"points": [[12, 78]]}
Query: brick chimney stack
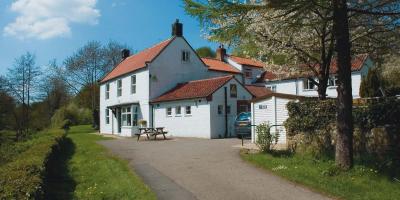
{"points": [[221, 53], [125, 53]]}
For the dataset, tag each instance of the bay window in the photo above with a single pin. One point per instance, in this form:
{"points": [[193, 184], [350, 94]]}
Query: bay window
{"points": [[126, 115]]}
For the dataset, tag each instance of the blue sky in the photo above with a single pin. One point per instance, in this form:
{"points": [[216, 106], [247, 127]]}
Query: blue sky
{"points": [[54, 29]]}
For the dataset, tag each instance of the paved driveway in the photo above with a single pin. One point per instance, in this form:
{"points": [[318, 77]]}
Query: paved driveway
{"points": [[188, 168]]}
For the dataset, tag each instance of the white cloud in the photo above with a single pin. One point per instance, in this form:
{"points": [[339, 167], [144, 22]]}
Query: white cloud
{"points": [[44, 19]]}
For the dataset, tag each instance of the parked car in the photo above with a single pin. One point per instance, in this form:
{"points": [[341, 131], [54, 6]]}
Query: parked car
{"points": [[243, 124]]}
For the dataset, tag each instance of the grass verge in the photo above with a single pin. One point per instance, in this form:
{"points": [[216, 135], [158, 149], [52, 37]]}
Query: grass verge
{"points": [[84, 169], [356, 184]]}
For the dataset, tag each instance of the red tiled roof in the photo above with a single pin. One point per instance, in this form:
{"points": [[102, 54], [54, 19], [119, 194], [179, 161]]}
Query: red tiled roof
{"points": [[194, 89], [247, 61], [137, 61], [267, 75], [217, 65], [258, 91], [356, 63]]}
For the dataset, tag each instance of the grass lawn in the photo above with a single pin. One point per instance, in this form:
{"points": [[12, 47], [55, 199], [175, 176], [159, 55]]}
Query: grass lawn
{"points": [[83, 169], [358, 183]]}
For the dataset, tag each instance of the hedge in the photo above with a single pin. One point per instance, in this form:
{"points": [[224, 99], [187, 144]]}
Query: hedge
{"points": [[22, 178]]}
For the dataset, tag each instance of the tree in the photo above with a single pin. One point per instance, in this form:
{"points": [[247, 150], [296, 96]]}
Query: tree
{"points": [[86, 66], [22, 81], [368, 26], [205, 52], [390, 75], [304, 36], [371, 84]]}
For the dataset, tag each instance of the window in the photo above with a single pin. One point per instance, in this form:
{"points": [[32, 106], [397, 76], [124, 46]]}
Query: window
{"points": [[272, 88], [107, 91], [220, 109], [247, 73], [119, 88], [261, 107], [332, 81], [133, 84], [107, 116], [188, 110], [178, 111], [185, 56], [233, 90], [135, 116], [228, 109], [169, 112], [308, 84], [126, 115]]}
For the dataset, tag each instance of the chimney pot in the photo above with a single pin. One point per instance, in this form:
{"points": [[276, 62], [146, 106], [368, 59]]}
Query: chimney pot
{"points": [[177, 29], [125, 53]]}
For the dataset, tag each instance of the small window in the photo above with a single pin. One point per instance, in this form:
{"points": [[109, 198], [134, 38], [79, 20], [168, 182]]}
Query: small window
{"points": [[119, 88], [248, 73], [169, 111], [188, 110], [107, 91], [332, 81], [220, 109], [308, 84], [262, 107], [272, 88], [107, 116], [178, 111], [228, 109], [185, 56], [133, 84], [233, 90]]}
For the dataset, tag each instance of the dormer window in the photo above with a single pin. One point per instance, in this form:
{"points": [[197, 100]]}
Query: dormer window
{"points": [[185, 56]]}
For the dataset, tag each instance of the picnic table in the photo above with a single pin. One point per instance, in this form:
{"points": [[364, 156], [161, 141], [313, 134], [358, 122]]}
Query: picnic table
{"points": [[150, 131]]}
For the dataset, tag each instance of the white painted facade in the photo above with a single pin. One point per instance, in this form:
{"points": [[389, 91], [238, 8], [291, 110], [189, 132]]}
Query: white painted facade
{"points": [[272, 111], [255, 72], [158, 77], [204, 120], [297, 86]]}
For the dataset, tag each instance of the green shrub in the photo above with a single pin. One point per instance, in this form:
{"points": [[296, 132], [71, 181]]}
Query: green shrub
{"points": [[73, 114], [22, 178], [265, 139]]}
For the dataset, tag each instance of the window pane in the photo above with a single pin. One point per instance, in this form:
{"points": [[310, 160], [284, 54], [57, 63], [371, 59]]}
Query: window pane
{"points": [[233, 90], [129, 119], [188, 110], [178, 110]]}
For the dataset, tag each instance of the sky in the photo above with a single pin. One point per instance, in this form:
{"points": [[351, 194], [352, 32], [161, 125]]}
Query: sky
{"points": [[55, 29]]}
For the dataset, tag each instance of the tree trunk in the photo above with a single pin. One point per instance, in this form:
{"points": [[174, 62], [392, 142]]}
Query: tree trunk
{"points": [[344, 121], [322, 85]]}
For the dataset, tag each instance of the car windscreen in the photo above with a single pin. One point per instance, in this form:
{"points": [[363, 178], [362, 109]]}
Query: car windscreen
{"points": [[243, 117]]}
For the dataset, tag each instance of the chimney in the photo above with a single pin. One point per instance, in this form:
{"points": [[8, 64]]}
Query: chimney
{"points": [[177, 29], [125, 53], [221, 53]]}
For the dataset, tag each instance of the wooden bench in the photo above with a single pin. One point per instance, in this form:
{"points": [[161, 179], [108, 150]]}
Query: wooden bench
{"points": [[159, 131], [151, 132]]}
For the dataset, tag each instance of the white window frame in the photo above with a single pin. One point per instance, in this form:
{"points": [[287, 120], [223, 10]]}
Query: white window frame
{"points": [[332, 82], [235, 93], [307, 83], [135, 112], [185, 56], [107, 94], [133, 84], [178, 108], [186, 110], [119, 87], [107, 116], [168, 111], [271, 87], [126, 116]]}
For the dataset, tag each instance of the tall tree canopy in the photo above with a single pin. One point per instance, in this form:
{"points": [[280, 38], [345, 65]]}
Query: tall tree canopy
{"points": [[205, 52], [310, 33]]}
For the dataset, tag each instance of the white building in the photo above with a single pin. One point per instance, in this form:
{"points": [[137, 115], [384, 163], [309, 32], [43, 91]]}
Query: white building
{"points": [[301, 85], [204, 108], [126, 92]]}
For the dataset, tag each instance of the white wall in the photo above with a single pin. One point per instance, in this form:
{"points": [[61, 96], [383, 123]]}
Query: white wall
{"points": [[141, 96], [218, 98], [195, 125], [289, 87], [275, 114], [167, 70]]}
